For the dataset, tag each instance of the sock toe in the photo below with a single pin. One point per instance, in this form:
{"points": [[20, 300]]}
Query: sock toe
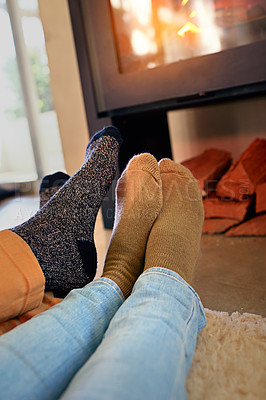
{"points": [[167, 165], [107, 131], [145, 162]]}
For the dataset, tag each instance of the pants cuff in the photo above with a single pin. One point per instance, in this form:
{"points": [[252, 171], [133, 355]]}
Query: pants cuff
{"points": [[22, 281], [167, 273]]}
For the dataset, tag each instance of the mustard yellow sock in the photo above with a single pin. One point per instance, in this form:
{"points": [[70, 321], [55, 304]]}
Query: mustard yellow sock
{"points": [[174, 241], [138, 203]]}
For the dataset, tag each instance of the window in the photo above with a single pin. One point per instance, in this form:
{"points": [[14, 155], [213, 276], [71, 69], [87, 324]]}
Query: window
{"points": [[30, 145]]}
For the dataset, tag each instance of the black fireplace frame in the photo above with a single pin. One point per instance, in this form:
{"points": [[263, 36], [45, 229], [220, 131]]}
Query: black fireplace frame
{"points": [[137, 103], [237, 71]]}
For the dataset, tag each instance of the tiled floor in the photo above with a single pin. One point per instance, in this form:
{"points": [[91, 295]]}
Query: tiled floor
{"points": [[231, 274]]}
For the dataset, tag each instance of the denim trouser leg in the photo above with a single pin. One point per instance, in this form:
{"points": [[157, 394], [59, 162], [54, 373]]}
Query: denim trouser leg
{"points": [[148, 347], [39, 358]]}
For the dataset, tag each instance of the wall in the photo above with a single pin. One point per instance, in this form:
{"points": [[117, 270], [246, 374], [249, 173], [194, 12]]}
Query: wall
{"points": [[65, 81], [230, 126]]}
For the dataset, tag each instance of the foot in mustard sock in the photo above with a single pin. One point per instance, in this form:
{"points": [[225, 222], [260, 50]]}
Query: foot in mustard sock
{"points": [[50, 184], [138, 203], [61, 234], [174, 241]]}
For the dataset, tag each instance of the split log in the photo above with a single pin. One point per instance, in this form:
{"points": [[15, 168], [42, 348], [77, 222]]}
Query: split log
{"points": [[218, 225], [218, 208], [208, 167], [253, 227], [243, 176], [261, 197]]}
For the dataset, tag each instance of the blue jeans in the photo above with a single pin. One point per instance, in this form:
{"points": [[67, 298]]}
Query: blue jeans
{"points": [[92, 346]]}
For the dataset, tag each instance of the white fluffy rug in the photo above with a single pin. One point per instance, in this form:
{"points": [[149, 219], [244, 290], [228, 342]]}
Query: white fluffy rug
{"points": [[230, 358]]}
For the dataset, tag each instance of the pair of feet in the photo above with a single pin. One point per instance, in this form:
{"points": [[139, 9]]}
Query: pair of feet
{"points": [[158, 219]]}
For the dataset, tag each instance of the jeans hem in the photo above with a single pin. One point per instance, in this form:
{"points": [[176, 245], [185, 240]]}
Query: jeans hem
{"points": [[174, 275], [113, 285]]}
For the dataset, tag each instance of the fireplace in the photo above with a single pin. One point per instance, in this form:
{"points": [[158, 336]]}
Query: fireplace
{"points": [[146, 54], [141, 59]]}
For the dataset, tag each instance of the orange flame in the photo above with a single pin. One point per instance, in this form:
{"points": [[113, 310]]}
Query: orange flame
{"points": [[188, 27], [192, 14], [184, 2]]}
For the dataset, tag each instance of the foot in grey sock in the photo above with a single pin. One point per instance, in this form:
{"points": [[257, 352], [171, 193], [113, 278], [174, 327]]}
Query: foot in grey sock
{"points": [[61, 234], [50, 184]]}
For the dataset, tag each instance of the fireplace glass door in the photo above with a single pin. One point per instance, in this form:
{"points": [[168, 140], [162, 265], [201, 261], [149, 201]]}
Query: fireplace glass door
{"points": [[152, 33]]}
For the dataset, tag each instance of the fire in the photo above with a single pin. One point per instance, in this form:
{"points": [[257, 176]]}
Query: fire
{"points": [[192, 14], [184, 2], [188, 27]]}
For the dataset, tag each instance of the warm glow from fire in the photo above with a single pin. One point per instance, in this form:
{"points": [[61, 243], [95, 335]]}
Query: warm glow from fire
{"points": [[152, 33], [142, 44], [192, 14], [184, 2], [188, 27]]}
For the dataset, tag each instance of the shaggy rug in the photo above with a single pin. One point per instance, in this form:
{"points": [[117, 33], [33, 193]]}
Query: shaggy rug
{"points": [[230, 358]]}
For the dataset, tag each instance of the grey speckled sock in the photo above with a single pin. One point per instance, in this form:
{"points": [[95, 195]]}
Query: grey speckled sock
{"points": [[50, 184], [61, 233]]}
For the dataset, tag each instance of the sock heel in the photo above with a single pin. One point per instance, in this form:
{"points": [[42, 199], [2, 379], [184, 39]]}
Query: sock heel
{"points": [[88, 255]]}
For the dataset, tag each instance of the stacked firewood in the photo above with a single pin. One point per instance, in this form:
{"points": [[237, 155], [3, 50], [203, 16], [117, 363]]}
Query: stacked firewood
{"points": [[234, 194]]}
